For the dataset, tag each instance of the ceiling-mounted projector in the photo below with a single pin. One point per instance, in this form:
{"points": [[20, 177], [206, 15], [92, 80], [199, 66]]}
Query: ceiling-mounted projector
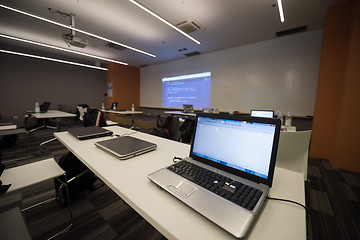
{"points": [[78, 42], [70, 38], [75, 41]]}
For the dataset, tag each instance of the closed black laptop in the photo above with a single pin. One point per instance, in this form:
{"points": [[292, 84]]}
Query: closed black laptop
{"points": [[83, 133]]}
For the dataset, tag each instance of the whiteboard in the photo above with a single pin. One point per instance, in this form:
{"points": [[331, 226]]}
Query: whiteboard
{"points": [[279, 74]]}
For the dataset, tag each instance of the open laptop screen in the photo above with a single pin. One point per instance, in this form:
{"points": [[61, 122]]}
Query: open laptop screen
{"points": [[243, 145], [188, 108], [262, 113]]}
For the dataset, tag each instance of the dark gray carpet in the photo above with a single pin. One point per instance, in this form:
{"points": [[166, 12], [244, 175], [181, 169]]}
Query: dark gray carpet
{"points": [[333, 199]]}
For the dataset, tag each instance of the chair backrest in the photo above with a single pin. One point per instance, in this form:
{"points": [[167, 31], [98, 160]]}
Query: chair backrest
{"points": [[94, 117], [293, 151], [81, 110]]}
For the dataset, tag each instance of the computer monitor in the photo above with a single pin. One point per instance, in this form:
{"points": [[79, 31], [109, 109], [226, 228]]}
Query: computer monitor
{"points": [[188, 108], [262, 113]]}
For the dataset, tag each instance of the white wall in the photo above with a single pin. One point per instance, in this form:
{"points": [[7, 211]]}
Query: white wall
{"points": [[279, 74]]}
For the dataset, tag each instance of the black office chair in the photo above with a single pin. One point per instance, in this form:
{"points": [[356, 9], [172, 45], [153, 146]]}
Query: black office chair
{"points": [[81, 110], [94, 117], [80, 177]]}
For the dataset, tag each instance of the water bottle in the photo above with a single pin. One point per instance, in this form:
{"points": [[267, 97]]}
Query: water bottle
{"points": [[280, 116], [288, 119], [102, 106], [37, 107], [132, 107]]}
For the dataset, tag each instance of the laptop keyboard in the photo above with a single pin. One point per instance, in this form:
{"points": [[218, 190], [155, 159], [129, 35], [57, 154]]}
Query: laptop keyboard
{"points": [[236, 192]]}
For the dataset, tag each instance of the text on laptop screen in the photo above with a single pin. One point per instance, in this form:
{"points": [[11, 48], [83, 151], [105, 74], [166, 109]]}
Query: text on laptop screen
{"points": [[246, 146]]}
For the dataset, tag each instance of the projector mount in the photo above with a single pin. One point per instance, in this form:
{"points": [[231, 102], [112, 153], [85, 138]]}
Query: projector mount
{"points": [[70, 38]]}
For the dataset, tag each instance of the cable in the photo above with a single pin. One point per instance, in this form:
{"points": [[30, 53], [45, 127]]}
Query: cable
{"points": [[59, 12], [287, 200], [125, 134], [177, 158]]}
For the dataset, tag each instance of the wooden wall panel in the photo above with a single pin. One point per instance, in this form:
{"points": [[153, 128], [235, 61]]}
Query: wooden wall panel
{"points": [[125, 86], [335, 119], [347, 151]]}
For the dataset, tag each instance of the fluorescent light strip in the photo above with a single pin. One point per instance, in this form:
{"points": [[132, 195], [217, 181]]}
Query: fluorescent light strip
{"points": [[164, 21], [52, 59], [281, 11], [61, 49], [78, 30]]}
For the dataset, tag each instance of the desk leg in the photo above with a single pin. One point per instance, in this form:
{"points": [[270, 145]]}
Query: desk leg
{"points": [[58, 124], [43, 126], [43, 143]]}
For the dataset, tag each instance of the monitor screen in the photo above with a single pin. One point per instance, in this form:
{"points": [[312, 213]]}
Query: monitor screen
{"points": [[262, 113], [187, 89], [243, 145]]}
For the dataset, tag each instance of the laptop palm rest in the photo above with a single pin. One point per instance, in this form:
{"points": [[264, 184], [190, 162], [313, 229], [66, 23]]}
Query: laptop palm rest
{"points": [[183, 189]]}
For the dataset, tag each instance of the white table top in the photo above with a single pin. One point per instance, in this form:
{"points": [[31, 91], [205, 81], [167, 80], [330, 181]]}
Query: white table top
{"points": [[29, 174], [53, 114], [7, 127], [127, 112], [180, 113], [175, 220]]}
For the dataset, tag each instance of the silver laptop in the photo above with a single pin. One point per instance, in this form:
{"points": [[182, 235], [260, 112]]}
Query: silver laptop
{"points": [[229, 171], [126, 147]]}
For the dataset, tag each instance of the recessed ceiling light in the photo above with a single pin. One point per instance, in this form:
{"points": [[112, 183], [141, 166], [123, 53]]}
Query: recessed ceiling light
{"points": [[52, 59], [164, 21], [78, 30], [61, 49], [281, 11]]}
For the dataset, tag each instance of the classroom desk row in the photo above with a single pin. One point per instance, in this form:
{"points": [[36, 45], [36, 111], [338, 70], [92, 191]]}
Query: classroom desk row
{"points": [[175, 220]]}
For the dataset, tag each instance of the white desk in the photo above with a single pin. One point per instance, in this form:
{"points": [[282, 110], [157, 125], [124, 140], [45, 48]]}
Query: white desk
{"points": [[288, 128], [51, 114], [180, 113], [175, 220], [12, 131], [127, 112], [7, 127]]}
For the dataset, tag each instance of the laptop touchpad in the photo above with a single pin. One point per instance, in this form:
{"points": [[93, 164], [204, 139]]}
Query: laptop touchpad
{"points": [[183, 189]]}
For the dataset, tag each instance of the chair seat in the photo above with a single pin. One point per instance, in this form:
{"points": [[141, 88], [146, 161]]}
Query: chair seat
{"points": [[33, 173], [13, 226], [29, 174], [293, 151]]}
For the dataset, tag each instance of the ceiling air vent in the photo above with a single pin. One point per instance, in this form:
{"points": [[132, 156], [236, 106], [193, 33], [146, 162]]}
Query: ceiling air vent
{"points": [[114, 46], [189, 26], [192, 54], [291, 31]]}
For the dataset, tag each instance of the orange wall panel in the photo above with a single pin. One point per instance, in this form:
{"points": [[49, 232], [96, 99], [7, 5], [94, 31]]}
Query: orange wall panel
{"points": [[125, 86], [347, 151], [335, 126], [330, 83]]}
